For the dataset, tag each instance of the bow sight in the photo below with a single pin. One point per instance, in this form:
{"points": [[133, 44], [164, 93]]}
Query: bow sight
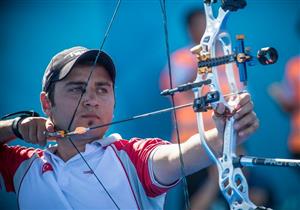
{"points": [[241, 55]]}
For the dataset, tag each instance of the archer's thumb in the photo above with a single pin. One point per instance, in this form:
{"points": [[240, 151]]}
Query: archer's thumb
{"points": [[220, 110]]}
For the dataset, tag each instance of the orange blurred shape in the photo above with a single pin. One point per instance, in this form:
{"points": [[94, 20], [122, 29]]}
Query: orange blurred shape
{"points": [[80, 130]]}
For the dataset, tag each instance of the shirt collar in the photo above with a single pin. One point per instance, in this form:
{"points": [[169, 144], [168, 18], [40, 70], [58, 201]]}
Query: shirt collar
{"points": [[108, 140], [104, 142]]}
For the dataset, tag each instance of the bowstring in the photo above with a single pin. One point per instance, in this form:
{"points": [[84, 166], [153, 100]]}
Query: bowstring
{"points": [[182, 166], [80, 99]]}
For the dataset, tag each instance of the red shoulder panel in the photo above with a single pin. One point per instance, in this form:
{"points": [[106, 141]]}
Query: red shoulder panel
{"points": [[11, 158], [139, 151]]}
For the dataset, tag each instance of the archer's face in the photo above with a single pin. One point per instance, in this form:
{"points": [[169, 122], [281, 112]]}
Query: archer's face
{"points": [[96, 106]]}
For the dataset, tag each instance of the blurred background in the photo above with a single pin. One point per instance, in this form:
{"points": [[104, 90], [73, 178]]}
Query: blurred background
{"points": [[33, 31]]}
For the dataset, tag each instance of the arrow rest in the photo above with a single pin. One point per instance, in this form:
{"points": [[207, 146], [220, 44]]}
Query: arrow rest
{"points": [[202, 104]]}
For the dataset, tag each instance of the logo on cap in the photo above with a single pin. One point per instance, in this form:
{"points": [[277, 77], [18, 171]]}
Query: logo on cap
{"points": [[74, 54]]}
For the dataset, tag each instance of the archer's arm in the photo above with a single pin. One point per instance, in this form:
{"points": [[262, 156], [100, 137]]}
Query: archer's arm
{"points": [[31, 129], [166, 159], [6, 133]]}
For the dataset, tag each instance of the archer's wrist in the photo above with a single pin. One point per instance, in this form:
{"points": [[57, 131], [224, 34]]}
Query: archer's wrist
{"points": [[214, 139]]}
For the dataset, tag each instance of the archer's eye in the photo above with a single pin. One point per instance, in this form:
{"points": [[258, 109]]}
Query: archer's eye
{"points": [[102, 90], [76, 90]]}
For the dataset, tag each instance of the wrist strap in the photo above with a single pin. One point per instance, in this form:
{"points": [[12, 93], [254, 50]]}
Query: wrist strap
{"points": [[15, 126]]}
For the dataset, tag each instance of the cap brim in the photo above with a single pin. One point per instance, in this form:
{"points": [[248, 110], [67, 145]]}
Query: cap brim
{"points": [[103, 59]]}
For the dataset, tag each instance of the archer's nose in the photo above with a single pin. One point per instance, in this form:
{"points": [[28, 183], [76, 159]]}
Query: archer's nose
{"points": [[90, 99]]}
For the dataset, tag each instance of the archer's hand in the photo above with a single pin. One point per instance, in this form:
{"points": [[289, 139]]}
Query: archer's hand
{"points": [[246, 121], [33, 130]]}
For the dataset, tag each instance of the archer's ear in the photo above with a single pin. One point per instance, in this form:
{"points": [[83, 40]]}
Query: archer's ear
{"points": [[46, 104]]}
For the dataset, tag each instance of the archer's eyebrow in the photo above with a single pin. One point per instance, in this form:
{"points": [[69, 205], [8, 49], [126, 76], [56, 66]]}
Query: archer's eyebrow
{"points": [[75, 83], [80, 83], [104, 83]]}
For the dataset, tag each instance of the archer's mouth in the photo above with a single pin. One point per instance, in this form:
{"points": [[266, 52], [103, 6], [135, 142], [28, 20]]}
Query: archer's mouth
{"points": [[90, 117]]}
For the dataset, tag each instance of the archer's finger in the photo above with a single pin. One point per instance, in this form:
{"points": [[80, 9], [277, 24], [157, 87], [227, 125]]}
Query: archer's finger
{"points": [[249, 130], [245, 121], [244, 110], [24, 131], [244, 99], [41, 137], [49, 125], [32, 131], [220, 110]]}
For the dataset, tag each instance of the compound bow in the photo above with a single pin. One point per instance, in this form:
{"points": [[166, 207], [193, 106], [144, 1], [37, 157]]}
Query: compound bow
{"points": [[232, 181]]}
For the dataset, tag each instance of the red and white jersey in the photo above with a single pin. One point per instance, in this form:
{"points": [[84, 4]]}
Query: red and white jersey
{"points": [[42, 180]]}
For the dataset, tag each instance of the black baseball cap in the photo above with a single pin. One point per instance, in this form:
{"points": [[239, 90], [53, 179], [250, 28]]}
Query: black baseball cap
{"points": [[63, 62]]}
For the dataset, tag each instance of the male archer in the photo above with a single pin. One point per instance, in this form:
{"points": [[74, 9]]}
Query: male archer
{"points": [[91, 171]]}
